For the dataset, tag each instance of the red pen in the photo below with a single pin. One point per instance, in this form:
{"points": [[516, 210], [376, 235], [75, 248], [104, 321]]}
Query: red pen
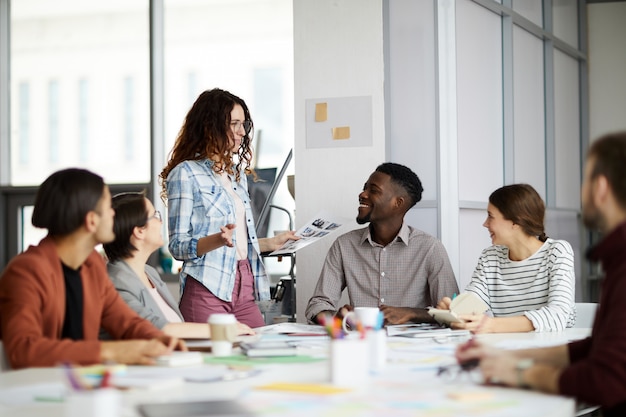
{"points": [[106, 379]]}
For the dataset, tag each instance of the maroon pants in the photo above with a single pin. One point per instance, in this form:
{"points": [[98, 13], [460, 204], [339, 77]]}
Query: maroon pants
{"points": [[197, 303]]}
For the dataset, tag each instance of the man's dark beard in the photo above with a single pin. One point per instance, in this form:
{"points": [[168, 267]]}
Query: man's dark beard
{"points": [[363, 220]]}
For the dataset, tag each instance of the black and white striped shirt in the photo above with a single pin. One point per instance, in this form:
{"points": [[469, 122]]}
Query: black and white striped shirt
{"points": [[540, 287]]}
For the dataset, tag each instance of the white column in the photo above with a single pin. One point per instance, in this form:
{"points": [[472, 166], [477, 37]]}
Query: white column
{"points": [[447, 126]]}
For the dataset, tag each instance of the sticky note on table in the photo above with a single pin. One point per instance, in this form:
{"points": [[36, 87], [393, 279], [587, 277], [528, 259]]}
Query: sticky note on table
{"points": [[342, 132], [304, 388], [321, 112], [470, 395]]}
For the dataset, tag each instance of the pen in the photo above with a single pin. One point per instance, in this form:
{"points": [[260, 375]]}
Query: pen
{"points": [[48, 399], [73, 378], [379, 320], [106, 379]]}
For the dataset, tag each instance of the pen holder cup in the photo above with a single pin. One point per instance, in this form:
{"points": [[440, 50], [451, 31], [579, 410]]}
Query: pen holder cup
{"points": [[377, 341], [103, 402], [349, 362]]}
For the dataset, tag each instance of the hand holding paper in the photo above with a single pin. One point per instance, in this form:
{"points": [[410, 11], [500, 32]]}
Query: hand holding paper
{"points": [[466, 304]]}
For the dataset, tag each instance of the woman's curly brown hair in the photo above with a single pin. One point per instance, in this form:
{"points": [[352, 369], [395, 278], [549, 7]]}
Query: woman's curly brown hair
{"points": [[206, 134]]}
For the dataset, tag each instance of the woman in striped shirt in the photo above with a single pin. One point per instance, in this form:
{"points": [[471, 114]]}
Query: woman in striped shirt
{"points": [[526, 278]]}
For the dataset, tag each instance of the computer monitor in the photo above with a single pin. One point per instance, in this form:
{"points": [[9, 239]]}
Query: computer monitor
{"points": [[266, 175]]}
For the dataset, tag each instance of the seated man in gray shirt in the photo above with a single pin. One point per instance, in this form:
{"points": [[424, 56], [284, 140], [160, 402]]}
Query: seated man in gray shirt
{"points": [[388, 264]]}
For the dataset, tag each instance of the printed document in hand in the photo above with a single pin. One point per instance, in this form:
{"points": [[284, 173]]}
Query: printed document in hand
{"points": [[466, 303], [322, 225]]}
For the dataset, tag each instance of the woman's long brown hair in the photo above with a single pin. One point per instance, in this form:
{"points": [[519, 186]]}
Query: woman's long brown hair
{"points": [[206, 134]]}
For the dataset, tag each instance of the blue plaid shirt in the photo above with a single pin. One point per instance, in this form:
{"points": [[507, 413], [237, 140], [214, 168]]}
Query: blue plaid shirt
{"points": [[198, 205]]}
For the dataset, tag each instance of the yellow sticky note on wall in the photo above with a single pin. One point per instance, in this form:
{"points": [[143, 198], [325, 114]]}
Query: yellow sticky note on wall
{"points": [[342, 132], [321, 112]]}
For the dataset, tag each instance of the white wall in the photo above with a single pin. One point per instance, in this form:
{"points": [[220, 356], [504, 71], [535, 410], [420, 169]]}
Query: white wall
{"points": [[451, 77], [338, 52]]}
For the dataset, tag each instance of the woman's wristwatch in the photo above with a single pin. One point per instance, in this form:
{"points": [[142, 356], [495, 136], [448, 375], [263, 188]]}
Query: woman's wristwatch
{"points": [[520, 367]]}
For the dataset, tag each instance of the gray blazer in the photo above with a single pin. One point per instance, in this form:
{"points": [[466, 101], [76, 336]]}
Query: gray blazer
{"points": [[136, 295]]}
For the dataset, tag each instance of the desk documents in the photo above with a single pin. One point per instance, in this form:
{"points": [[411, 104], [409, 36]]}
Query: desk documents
{"points": [[180, 359], [407, 385], [268, 348], [322, 225], [420, 330]]}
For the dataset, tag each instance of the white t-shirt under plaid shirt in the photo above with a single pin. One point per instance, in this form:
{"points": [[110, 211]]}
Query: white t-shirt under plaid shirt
{"points": [[540, 287], [411, 271]]}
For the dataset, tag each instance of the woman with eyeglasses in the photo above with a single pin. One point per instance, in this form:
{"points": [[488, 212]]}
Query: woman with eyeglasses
{"points": [[526, 278], [211, 228], [137, 228]]}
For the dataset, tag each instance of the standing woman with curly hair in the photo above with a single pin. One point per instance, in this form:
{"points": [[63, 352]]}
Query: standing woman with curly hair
{"points": [[211, 228]]}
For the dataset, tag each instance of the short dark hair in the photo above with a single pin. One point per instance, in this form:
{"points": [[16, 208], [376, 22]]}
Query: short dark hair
{"points": [[130, 212], [405, 178], [64, 199], [609, 154], [521, 204]]}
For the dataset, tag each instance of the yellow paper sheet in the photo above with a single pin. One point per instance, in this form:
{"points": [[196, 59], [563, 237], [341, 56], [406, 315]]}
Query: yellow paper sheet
{"points": [[342, 132], [321, 112], [305, 388]]}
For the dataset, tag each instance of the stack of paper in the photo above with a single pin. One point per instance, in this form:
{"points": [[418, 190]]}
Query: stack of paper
{"points": [[417, 330]]}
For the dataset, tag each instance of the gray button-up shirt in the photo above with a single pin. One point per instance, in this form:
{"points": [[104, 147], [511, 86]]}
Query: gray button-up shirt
{"points": [[411, 271]]}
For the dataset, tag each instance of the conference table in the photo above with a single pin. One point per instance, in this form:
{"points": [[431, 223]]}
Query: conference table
{"points": [[409, 384]]}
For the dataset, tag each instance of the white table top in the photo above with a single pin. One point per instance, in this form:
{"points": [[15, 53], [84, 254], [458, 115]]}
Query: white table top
{"points": [[409, 383]]}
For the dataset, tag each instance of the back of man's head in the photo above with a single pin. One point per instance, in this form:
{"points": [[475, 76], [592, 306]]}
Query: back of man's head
{"points": [[608, 154], [405, 178], [64, 199]]}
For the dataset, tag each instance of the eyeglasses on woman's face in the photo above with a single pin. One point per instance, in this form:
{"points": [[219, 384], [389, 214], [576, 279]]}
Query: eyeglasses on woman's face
{"points": [[246, 124], [156, 215]]}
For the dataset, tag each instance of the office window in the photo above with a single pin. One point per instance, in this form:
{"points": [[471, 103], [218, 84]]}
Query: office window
{"points": [[479, 101], [129, 119], [269, 115], [529, 110], [76, 55], [567, 132], [80, 83], [222, 44], [27, 233], [53, 121], [411, 76], [530, 9], [565, 21], [192, 87], [24, 123], [83, 125]]}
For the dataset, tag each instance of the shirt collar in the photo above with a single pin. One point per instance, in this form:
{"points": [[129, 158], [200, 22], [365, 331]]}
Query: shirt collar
{"points": [[402, 236]]}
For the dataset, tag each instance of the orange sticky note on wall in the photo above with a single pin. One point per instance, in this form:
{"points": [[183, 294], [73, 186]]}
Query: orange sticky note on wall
{"points": [[321, 112], [342, 132]]}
